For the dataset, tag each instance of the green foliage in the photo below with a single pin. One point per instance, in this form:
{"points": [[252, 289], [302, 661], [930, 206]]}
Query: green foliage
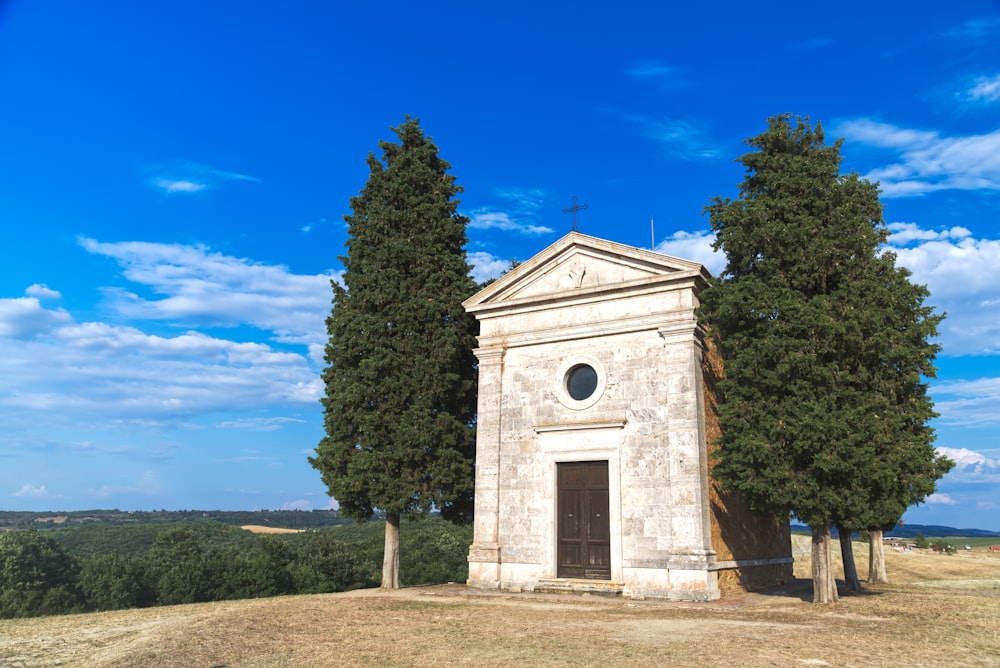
{"points": [[36, 576], [116, 581], [203, 561], [327, 564], [139, 538], [825, 342], [942, 546], [434, 553], [401, 376]]}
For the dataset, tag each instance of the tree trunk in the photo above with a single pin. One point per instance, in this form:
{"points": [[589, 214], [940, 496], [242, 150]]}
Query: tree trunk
{"points": [[824, 583], [390, 557], [876, 558], [851, 581]]}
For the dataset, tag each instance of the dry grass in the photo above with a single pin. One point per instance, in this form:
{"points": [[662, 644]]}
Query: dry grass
{"points": [[939, 610], [257, 528]]}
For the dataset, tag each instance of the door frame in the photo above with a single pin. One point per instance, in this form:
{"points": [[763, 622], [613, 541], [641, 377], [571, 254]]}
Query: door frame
{"points": [[579, 443]]}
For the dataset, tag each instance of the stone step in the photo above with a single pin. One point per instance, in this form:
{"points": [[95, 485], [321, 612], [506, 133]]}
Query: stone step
{"points": [[579, 586]]}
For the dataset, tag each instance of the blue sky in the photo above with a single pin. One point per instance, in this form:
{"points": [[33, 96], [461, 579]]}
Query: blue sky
{"points": [[173, 177]]}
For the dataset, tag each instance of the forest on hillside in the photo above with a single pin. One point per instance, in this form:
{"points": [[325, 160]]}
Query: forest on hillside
{"points": [[82, 564]]}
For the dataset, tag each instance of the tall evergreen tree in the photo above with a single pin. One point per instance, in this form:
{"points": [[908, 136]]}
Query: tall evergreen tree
{"points": [[825, 341], [401, 376], [900, 357]]}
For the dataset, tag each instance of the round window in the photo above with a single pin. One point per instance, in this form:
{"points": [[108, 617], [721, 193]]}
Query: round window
{"points": [[581, 382]]}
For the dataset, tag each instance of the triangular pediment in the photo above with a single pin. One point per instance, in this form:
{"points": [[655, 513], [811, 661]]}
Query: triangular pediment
{"points": [[578, 264]]}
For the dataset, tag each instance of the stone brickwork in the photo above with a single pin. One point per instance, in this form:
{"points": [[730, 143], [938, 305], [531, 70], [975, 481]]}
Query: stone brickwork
{"points": [[629, 316]]}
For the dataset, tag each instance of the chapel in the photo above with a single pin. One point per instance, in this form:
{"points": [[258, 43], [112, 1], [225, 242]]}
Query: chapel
{"points": [[596, 422]]}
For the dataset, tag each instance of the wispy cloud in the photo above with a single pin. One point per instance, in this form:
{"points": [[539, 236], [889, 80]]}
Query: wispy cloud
{"points": [[484, 219], [985, 89], [650, 69], [190, 177], [260, 424], [91, 379], [679, 138], [30, 491], [975, 30], [927, 162], [973, 403], [205, 288], [178, 186], [148, 484], [517, 211]]}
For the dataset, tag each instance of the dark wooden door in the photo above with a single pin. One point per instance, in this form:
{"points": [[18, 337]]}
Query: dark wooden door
{"points": [[584, 549]]}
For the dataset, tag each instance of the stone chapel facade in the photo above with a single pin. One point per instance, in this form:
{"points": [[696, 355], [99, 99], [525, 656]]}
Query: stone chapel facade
{"points": [[596, 415]]}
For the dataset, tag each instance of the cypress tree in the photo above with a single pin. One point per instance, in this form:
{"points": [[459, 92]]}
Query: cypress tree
{"points": [[401, 377], [825, 343]]}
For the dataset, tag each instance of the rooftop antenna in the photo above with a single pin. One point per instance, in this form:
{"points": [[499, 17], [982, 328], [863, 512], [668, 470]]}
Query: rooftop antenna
{"points": [[652, 235], [573, 209]]}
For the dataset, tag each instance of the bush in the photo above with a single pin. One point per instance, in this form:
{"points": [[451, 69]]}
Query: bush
{"points": [[36, 576], [116, 582]]}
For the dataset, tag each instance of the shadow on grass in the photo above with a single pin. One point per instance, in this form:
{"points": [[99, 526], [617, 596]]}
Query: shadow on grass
{"points": [[802, 590]]}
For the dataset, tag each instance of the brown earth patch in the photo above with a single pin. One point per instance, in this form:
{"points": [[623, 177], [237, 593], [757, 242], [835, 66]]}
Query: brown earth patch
{"points": [[257, 528], [916, 621]]}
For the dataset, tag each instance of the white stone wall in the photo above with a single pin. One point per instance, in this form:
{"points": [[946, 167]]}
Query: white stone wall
{"points": [[648, 422]]}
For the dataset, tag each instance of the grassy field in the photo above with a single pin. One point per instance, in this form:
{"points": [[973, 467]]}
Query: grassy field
{"points": [[939, 610]]}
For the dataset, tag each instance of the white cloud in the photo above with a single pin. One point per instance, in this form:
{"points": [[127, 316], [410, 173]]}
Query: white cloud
{"points": [[904, 233], [968, 402], [986, 89], [191, 177], [928, 162], [260, 424], [517, 212], [81, 378], [940, 499], [42, 291], [971, 467], [694, 246], [178, 186], [486, 266], [963, 276], [484, 219], [965, 458], [30, 491], [25, 316], [211, 289]]}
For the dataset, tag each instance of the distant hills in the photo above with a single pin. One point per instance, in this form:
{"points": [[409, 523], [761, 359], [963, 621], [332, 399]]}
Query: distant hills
{"points": [[926, 530], [286, 519], [318, 519]]}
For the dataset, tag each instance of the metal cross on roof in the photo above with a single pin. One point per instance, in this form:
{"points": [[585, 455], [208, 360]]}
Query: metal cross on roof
{"points": [[573, 209]]}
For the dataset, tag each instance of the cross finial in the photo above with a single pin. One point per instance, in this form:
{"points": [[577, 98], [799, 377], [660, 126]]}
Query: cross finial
{"points": [[573, 209]]}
